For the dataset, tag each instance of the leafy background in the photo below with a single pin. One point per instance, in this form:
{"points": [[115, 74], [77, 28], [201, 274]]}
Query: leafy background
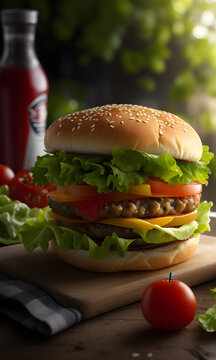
{"points": [[160, 53]]}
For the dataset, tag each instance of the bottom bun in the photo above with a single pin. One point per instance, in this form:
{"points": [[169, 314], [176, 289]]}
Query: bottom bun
{"points": [[157, 258]]}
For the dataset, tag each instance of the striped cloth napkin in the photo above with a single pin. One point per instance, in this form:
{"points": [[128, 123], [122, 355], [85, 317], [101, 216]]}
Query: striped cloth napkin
{"points": [[33, 308]]}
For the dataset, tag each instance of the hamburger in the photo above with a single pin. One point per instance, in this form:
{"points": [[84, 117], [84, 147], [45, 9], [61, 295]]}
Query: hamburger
{"points": [[128, 187]]}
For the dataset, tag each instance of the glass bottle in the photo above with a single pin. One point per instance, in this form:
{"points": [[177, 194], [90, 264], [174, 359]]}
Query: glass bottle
{"points": [[23, 91]]}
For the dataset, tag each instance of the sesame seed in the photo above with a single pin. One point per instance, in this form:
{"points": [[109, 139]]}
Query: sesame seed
{"points": [[110, 113]]}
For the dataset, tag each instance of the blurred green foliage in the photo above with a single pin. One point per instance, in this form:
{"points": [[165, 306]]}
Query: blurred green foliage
{"points": [[145, 35], [65, 97]]}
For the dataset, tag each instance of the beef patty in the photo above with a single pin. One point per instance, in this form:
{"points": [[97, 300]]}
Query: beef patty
{"points": [[99, 231], [139, 208]]}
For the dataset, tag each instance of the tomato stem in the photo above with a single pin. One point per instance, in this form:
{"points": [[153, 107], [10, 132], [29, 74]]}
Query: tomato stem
{"points": [[170, 276]]}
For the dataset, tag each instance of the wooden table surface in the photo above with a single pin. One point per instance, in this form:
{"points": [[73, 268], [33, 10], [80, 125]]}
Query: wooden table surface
{"points": [[120, 334]]}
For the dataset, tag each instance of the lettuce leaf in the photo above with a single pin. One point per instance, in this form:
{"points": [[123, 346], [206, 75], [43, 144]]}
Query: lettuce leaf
{"points": [[38, 234], [208, 319], [124, 169], [165, 234], [13, 214]]}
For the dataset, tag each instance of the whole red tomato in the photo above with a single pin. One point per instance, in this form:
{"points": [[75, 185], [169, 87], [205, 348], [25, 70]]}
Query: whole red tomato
{"points": [[23, 189], [168, 304], [6, 175]]}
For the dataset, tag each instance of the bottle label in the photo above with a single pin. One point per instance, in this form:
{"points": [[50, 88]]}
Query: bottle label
{"points": [[38, 114], [37, 128]]}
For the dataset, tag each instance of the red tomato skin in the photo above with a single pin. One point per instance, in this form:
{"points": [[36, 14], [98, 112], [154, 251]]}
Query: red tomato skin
{"points": [[168, 305], [6, 175], [161, 187], [23, 189]]}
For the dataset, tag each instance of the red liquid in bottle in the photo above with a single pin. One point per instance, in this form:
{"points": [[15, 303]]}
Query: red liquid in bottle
{"points": [[23, 112], [23, 92]]}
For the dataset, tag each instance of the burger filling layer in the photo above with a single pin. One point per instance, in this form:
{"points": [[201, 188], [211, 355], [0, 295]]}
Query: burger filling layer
{"points": [[99, 231], [139, 208], [131, 199]]}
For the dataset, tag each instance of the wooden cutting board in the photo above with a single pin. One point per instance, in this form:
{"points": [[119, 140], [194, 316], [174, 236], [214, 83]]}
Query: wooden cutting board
{"points": [[95, 293]]}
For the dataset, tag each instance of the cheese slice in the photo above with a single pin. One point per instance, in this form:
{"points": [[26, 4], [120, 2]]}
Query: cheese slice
{"points": [[143, 190], [135, 223]]}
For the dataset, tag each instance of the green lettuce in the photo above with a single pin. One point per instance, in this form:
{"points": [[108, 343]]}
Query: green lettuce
{"points": [[13, 214], [124, 169], [39, 233], [208, 319]]}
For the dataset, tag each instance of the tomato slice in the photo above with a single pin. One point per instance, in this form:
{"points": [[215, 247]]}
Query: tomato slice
{"points": [[23, 189], [153, 187], [160, 188], [111, 197]]}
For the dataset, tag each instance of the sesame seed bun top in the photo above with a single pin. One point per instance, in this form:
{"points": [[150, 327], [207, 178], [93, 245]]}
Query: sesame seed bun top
{"points": [[100, 129]]}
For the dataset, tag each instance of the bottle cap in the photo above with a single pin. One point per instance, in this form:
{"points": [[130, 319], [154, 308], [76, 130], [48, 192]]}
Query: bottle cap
{"points": [[18, 16]]}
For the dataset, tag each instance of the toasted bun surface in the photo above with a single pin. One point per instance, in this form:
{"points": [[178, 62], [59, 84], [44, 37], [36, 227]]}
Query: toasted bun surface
{"points": [[100, 129], [134, 260]]}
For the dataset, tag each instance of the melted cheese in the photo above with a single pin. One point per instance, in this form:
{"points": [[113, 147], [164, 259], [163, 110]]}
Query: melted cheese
{"points": [[135, 223]]}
